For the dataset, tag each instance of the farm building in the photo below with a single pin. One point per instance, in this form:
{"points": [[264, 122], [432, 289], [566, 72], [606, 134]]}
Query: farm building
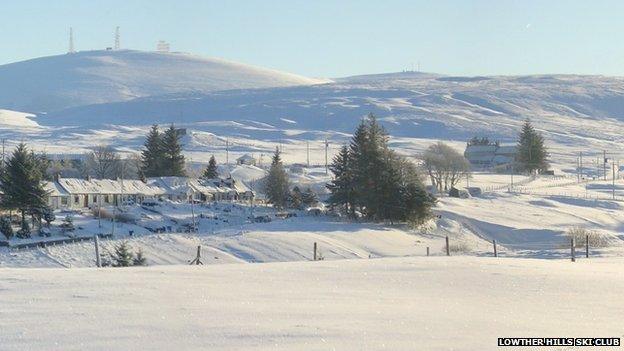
{"points": [[490, 155], [85, 193], [246, 159]]}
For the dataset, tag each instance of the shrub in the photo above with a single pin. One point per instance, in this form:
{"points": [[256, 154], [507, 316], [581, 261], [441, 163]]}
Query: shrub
{"points": [[5, 227], [48, 216], [24, 231], [581, 234], [458, 247], [122, 257], [139, 259], [68, 224]]}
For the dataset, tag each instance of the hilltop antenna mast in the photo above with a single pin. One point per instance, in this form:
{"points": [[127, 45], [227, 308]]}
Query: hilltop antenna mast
{"points": [[117, 44], [71, 41]]}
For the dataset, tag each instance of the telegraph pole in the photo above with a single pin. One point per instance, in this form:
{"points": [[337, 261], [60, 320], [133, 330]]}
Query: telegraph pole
{"points": [[308, 152], [604, 163], [613, 180], [3, 141], [581, 162], [227, 151], [326, 147]]}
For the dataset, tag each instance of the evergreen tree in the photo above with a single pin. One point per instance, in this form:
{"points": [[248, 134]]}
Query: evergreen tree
{"points": [[122, 257], [172, 158], [342, 186], [139, 259], [309, 198], [531, 154], [374, 180], [295, 198], [22, 185], [211, 171], [152, 154], [276, 182], [5, 227]]}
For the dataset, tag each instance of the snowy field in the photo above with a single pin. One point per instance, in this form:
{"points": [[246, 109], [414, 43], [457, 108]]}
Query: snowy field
{"points": [[426, 303], [531, 222]]}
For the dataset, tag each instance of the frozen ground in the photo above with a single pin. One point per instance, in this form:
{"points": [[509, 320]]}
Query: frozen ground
{"points": [[425, 303]]}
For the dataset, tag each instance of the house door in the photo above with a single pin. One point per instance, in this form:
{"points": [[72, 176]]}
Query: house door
{"points": [[86, 200]]}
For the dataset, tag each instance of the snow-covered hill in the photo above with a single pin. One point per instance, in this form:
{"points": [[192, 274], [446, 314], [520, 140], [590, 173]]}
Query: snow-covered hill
{"points": [[576, 113], [90, 77]]}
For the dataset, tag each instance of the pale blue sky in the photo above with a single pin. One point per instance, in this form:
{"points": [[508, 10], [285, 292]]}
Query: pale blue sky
{"points": [[337, 38]]}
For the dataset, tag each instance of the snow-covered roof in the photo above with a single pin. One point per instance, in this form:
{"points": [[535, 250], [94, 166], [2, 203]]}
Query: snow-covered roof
{"points": [[107, 186], [246, 157], [171, 185], [54, 189]]}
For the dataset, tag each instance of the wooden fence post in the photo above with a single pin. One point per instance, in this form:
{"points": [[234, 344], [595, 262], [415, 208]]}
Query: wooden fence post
{"points": [[448, 251], [572, 250], [495, 252], [315, 247], [96, 240], [586, 246], [427, 250], [197, 261]]}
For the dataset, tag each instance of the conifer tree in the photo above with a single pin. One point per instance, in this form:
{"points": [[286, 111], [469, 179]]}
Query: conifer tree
{"points": [[139, 259], [309, 198], [372, 179], [172, 158], [5, 227], [22, 185], [276, 182], [296, 198], [342, 186], [152, 154], [211, 170], [123, 256], [531, 154]]}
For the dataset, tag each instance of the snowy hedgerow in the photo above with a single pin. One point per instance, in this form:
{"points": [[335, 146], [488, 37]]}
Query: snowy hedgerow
{"points": [[581, 235]]}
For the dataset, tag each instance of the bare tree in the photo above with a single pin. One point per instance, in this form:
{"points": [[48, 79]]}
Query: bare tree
{"points": [[445, 166], [103, 162]]}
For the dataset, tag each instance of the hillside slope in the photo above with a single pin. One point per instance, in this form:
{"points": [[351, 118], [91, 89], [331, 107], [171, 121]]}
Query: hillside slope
{"points": [[576, 113], [90, 77]]}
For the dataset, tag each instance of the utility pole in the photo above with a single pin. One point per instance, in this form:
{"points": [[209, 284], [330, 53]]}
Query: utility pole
{"points": [[326, 147], [100, 209], [3, 141], [578, 169], [581, 162], [71, 41], [511, 174], [117, 39], [193, 210], [613, 180], [227, 151], [308, 152], [604, 163]]}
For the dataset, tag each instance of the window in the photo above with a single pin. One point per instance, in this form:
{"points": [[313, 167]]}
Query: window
{"points": [[76, 199]]}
